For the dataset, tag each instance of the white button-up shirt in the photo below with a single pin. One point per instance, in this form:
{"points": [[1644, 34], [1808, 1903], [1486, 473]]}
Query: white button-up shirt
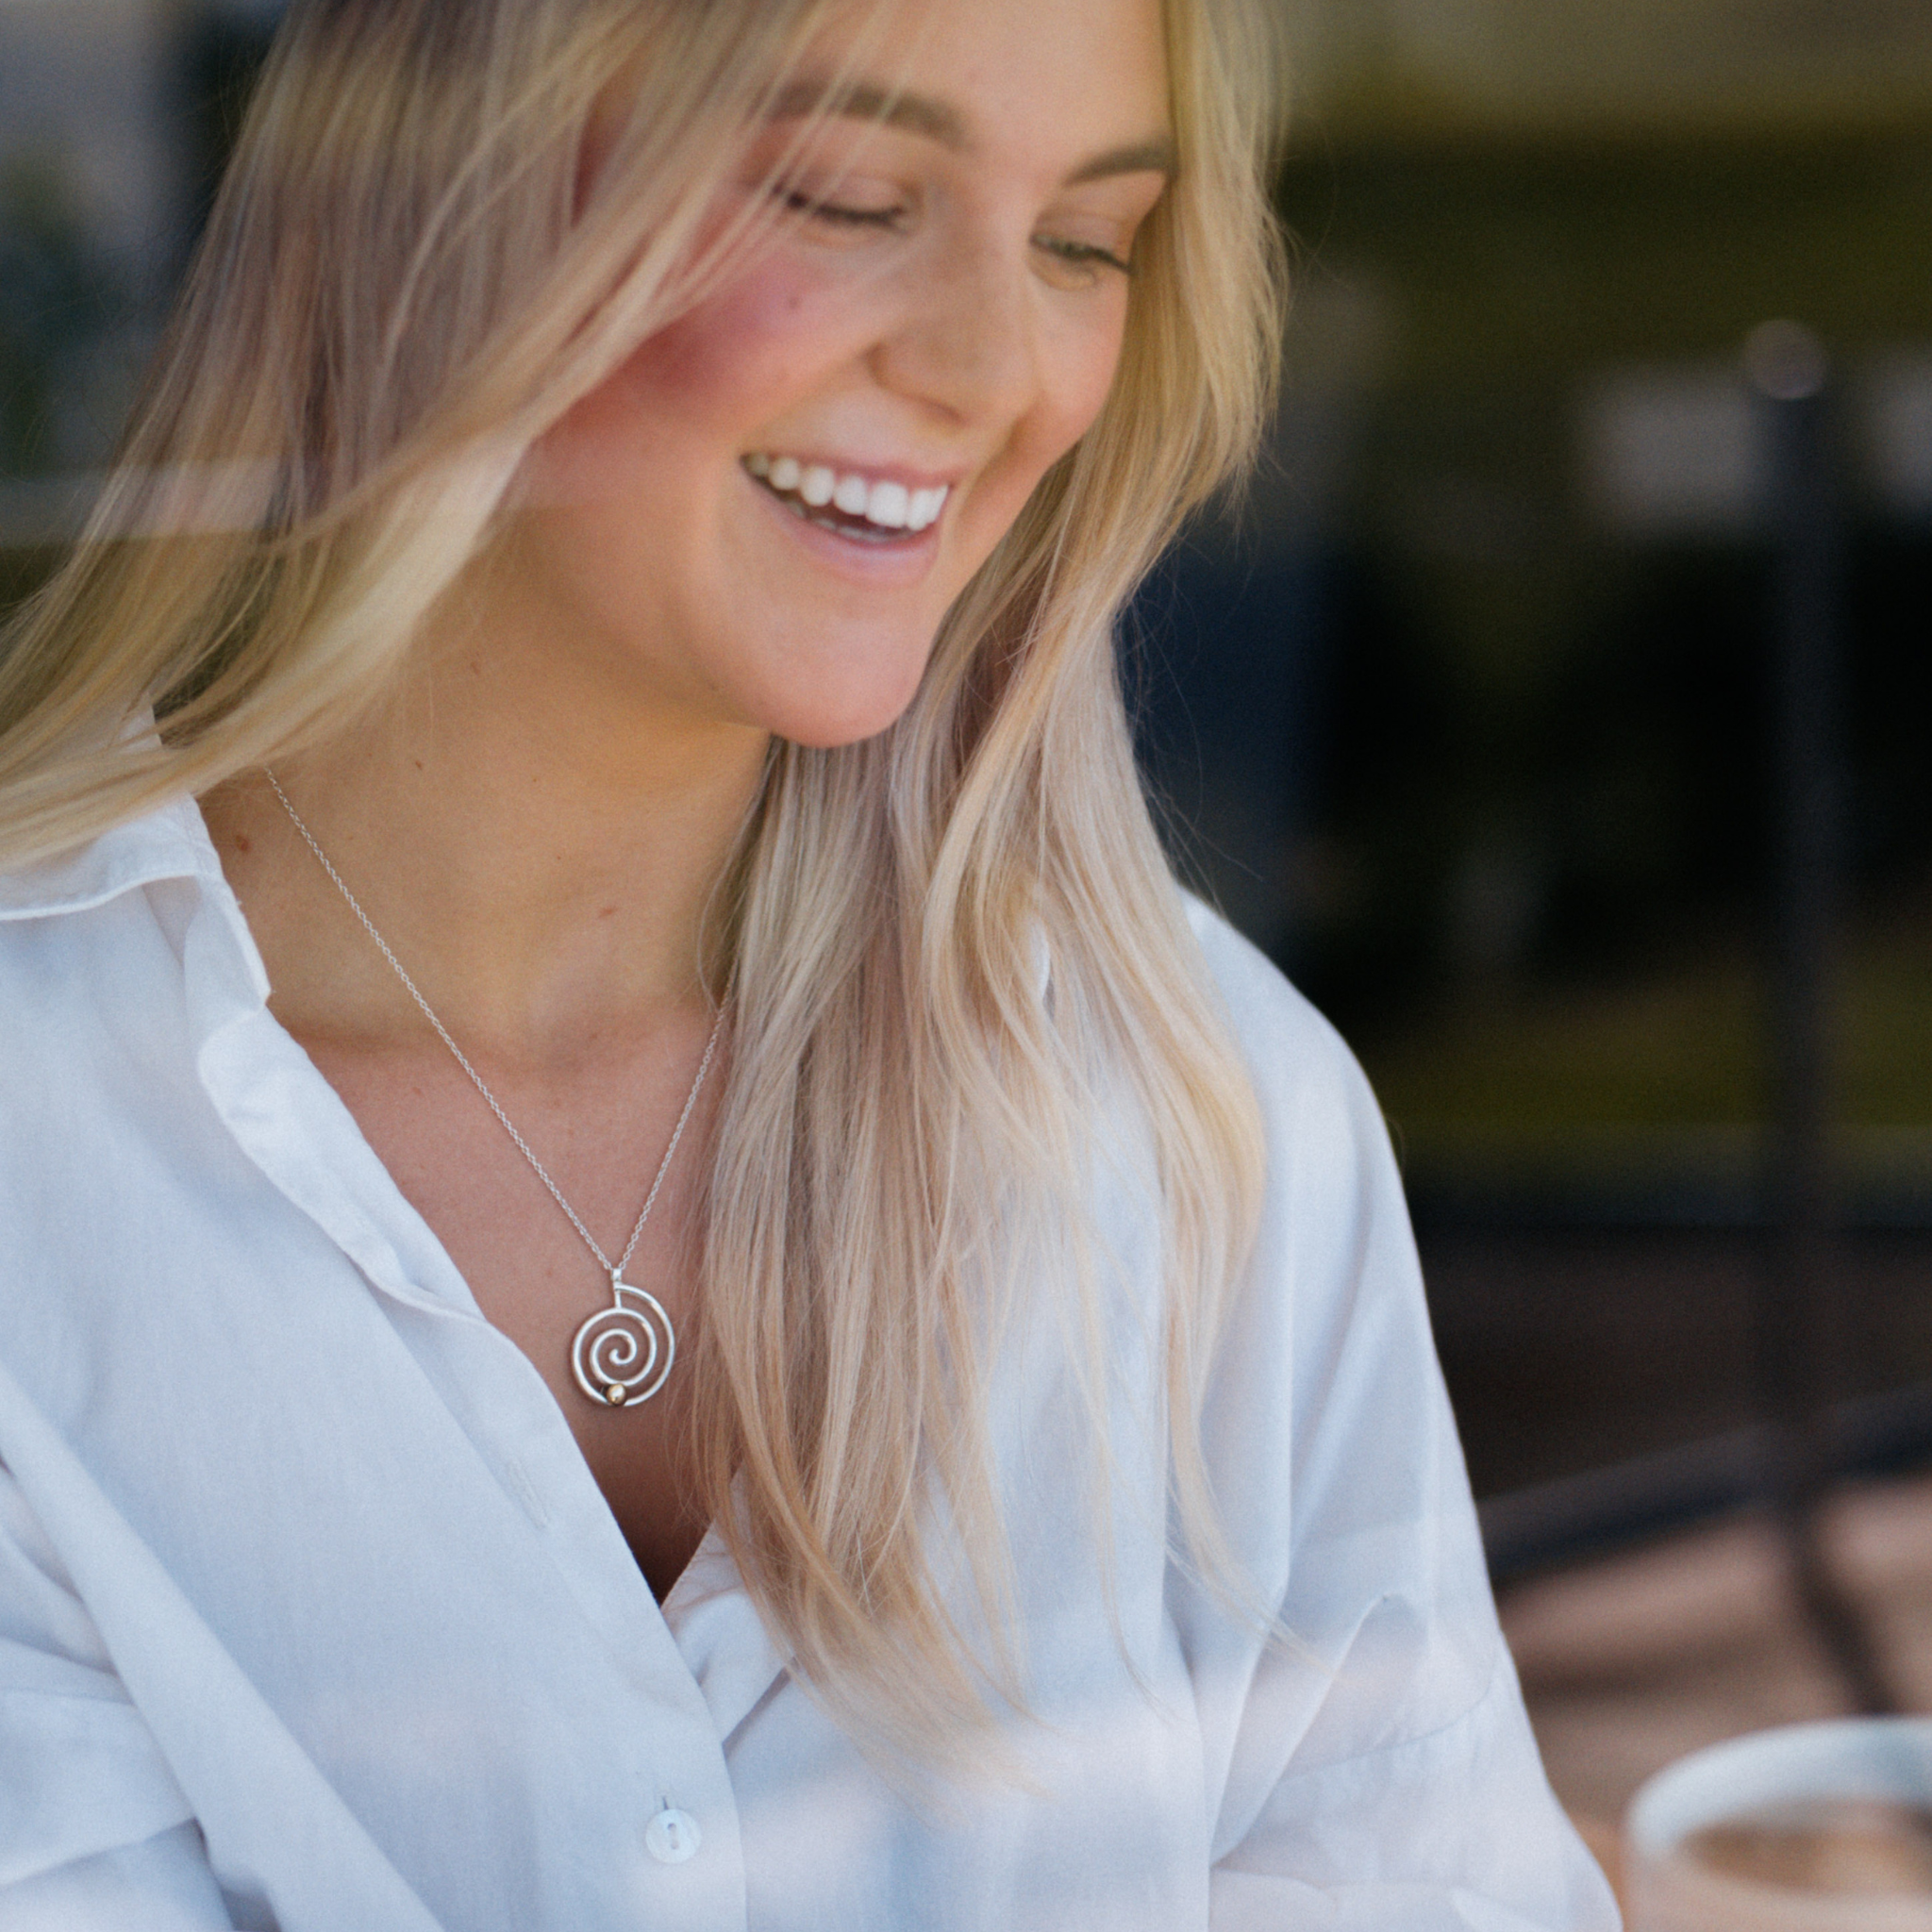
{"points": [[312, 1617]]}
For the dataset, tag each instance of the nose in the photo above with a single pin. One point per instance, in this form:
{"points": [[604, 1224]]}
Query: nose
{"points": [[967, 341]]}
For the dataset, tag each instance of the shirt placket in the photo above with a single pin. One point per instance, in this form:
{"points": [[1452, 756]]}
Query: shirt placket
{"points": [[681, 1845]]}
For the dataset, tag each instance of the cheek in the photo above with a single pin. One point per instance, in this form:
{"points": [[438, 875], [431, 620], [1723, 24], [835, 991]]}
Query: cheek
{"points": [[744, 341], [1088, 359], [1076, 377], [701, 384]]}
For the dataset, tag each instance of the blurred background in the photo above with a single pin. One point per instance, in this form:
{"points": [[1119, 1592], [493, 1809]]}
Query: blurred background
{"points": [[1552, 710]]}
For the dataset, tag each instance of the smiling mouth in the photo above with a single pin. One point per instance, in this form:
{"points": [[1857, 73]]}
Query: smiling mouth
{"points": [[873, 510]]}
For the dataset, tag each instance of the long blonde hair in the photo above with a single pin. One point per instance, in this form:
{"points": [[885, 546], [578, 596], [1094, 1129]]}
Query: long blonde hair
{"points": [[402, 284]]}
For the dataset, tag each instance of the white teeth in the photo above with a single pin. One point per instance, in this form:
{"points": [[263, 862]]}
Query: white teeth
{"points": [[886, 504]]}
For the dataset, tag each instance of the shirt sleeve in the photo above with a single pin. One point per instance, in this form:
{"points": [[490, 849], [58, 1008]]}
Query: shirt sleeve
{"points": [[95, 1834], [1376, 1765]]}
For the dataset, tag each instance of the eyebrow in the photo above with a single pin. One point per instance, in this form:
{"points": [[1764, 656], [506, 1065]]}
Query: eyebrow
{"points": [[939, 121], [1156, 156], [864, 100]]}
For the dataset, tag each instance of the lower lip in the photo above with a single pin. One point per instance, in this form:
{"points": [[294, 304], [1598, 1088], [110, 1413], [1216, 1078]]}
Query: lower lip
{"points": [[901, 558]]}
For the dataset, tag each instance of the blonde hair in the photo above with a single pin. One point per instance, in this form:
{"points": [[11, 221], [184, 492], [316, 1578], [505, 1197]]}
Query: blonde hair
{"points": [[403, 282]]}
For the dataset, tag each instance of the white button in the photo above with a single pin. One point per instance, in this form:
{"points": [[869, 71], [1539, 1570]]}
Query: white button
{"points": [[672, 1836]]}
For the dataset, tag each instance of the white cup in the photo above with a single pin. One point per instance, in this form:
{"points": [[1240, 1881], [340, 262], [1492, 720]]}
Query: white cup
{"points": [[1781, 1778]]}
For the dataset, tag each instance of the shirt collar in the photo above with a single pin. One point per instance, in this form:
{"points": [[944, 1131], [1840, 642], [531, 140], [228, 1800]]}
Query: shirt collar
{"points": [[171, 843]]}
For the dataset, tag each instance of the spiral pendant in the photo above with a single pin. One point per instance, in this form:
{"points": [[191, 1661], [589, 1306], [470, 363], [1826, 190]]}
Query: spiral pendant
{"points": [[623, 1354]]}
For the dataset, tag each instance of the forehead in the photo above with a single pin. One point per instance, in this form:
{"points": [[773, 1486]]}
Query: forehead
{"points": [[1066, 80]]}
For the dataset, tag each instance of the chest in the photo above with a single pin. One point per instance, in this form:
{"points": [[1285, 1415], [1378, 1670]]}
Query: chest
{"points": [[533, 1272], [464, 1667]]}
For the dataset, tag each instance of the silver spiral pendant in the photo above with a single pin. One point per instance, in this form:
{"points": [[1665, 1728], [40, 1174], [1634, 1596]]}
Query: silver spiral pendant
{"points": [[623, 1354]]}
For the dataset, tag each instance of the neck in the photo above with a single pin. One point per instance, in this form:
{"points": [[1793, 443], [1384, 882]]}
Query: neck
{"points": [[541, 858]]}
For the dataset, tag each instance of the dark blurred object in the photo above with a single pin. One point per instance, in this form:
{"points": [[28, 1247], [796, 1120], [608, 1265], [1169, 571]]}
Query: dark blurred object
{"points": [[1799, 1311], [218, 50], [1517, 834], [57, 300], [1545, 732], [1228, 662]]}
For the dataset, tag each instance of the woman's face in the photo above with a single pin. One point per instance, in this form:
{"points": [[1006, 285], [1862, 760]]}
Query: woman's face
{"points": [[764, 514]]}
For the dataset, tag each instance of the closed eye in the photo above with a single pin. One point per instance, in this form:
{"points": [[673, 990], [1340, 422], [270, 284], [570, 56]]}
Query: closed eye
{"points": [[798, 202], [1083, 254]]}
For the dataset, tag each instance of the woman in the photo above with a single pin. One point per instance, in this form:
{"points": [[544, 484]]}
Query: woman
{"points": [[653, 1275]]}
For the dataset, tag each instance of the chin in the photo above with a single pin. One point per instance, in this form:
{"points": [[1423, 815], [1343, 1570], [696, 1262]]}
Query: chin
{"points": [[820, 727], [842, 703]]}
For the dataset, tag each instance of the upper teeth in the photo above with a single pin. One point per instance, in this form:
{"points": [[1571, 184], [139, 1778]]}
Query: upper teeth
{"points": [[891, 506]]}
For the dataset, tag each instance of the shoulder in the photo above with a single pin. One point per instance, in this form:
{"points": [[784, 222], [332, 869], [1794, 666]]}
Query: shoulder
{"points": [[1312, 1091], [1331, 1296], [1265, 1007]]}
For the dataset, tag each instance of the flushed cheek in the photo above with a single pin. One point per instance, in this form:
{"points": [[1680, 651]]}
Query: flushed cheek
{"points": [[693, 392], [735, 359]]}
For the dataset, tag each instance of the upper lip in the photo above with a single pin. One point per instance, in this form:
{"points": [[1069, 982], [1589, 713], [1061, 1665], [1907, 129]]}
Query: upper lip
{"points": [[859, 466]]}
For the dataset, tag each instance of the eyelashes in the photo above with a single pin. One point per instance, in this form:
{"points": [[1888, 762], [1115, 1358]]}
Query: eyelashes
{"points": [[1084, 255], [1089, 256], [800, 203]]}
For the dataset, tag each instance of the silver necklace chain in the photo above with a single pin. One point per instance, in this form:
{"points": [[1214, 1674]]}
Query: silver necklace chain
{"points": [[613, 1339]]}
